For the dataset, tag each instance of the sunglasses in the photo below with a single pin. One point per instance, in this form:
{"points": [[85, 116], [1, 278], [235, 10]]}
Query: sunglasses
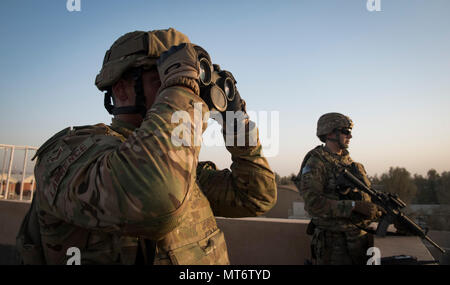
{"points": [[346, 132]]}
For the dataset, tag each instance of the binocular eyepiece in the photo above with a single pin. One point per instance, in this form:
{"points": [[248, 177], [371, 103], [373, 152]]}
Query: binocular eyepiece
{"points": [[217, 87]]}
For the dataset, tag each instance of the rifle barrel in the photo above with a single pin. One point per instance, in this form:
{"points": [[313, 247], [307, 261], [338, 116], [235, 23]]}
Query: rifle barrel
{"points": [[434, 244]]}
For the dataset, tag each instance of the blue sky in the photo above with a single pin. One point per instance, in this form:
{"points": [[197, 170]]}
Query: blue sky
{"points": [[387, 70]]}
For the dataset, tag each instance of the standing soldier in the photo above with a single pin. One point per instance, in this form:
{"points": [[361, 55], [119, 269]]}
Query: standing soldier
{"points": [[338, 213], [124, 193]]}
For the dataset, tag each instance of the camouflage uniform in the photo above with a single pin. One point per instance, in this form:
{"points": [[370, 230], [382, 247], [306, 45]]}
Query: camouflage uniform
{"points": [[337, 237], [104, 189]]}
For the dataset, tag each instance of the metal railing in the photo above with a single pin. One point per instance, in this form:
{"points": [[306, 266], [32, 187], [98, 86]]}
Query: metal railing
{"points": [[6, 179]]}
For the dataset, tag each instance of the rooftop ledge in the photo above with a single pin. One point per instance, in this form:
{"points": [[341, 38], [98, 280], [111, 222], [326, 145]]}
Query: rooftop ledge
{"points": [[267, 241], [250, 241]]}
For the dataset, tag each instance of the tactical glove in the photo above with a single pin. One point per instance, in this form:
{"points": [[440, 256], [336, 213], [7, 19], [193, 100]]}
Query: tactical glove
{"points": [[179, 66], [367, 209]]}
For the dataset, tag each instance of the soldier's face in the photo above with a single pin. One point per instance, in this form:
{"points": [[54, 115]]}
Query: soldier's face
{"points": [[151, 82], [344, 138], [125, 94]]}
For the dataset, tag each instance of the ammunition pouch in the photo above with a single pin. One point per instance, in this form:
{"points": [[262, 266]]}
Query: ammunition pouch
{"points": [[205, 251]]}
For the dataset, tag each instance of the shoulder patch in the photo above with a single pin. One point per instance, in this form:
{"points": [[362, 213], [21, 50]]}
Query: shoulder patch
{"points": [[306, 169], [56, 156], [51, 141], [62, 168]]}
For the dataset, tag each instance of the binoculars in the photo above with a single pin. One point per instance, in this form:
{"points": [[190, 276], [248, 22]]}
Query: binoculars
{"points": [[217, 87]]}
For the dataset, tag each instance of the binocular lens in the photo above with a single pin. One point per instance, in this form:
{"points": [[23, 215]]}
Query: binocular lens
{"points": [[217, 87], [205, 71], [228, 87], [218, 98]]}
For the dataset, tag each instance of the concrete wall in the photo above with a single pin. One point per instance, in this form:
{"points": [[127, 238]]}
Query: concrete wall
{"points": [[251, 241], [263, 241], [11, 215], [442, 238], [283, 208]]}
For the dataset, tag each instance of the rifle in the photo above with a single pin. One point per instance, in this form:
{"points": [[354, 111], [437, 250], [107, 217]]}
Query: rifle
{"points": [[392, 206]]}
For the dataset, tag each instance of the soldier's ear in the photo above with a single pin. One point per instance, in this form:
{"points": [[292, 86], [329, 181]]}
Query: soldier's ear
{"points": [[119, 90], [332, 135]]}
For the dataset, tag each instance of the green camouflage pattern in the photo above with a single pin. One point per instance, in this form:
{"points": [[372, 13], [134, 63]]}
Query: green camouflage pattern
{"points": [[101, 188], [331, 121], [317, 185], [340, 248], [136, 49], [337, 235]]}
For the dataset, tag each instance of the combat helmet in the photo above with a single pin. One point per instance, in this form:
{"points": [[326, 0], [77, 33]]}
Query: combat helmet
{"points": [[135, 51], [330, 122]]}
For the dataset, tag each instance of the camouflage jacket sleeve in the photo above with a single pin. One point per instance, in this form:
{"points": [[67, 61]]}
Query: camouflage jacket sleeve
{"points": [[138, 186], [247, 189], [312, 187]]}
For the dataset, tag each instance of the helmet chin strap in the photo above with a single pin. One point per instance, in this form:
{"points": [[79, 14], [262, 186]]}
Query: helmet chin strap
{"points": [[138, 108], [337, 139]]}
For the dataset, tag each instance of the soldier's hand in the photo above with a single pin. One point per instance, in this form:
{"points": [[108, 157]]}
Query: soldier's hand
{"points": [[179, 66], [367, 209]]}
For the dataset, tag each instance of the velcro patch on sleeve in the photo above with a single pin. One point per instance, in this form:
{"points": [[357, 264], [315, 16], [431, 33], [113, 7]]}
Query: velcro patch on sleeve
{"points": [[306, 169], [61, 171]]}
